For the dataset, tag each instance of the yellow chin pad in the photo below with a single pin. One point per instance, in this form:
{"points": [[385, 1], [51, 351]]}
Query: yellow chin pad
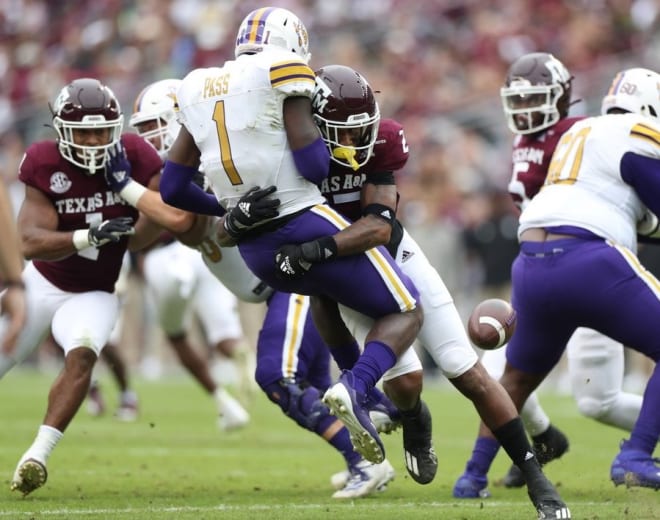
{"points": [[346, 154]]}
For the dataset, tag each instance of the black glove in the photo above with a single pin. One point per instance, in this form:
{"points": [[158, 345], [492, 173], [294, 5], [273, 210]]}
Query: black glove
{"points": [[118, 168], [292, 261], [110, 231], [252, 208]]}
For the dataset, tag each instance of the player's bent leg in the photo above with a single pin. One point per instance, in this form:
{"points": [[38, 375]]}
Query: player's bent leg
{"points": [[596, 370]]}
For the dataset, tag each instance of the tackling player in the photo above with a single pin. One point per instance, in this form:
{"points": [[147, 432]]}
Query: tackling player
{"points": [[366, 152]]}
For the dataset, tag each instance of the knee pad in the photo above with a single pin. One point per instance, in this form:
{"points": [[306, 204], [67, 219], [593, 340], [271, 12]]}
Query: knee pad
{"points": [[300, 402], [592, 407]]}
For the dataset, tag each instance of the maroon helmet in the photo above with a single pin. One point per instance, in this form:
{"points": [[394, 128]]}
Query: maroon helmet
{"points": [[86, 104], [344, 102], [536, 93]]}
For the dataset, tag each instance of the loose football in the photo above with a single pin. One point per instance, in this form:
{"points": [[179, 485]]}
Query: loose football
{"points": [[491, 324]]}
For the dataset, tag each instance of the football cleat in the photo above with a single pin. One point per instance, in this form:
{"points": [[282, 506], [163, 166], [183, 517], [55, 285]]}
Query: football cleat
{"points": [[556, 510], [128, 407], [348, 405], [382, 412], [635, 468], [552, 445], [513, 478], [232, 415], [470, 485], [365, 479], [421, 460], [544, 496], [29, 475]]}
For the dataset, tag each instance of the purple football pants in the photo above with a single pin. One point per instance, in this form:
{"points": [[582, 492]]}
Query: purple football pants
{"points": [[564, 284], [371, 283]]}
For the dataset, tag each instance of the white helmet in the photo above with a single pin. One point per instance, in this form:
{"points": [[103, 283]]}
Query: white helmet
{"points": [[86, 104], [157, 102], [634, 90], [272, 27]]}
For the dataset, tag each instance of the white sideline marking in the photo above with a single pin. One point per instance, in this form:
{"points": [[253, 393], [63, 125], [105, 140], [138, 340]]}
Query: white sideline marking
{"points": [[253, 507]]}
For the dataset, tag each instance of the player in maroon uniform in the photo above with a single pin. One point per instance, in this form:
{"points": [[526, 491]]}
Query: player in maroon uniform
{"points": [[75, 230], [366, 151]]}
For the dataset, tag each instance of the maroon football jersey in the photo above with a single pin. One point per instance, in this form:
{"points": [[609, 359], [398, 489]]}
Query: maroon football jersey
{"points": [[531, 159], [343, 185], [81, 199]]}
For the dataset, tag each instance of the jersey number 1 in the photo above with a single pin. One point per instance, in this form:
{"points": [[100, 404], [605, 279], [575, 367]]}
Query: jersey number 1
{"points": [[223, 141]]}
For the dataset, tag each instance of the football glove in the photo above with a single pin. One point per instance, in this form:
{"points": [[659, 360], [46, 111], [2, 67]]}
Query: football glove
{"points": [[110, 231], [252, 208], [292, 261], [118, 168]]}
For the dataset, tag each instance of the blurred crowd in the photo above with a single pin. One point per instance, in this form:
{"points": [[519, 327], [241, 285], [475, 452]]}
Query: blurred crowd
{"points": [[437, 66]]}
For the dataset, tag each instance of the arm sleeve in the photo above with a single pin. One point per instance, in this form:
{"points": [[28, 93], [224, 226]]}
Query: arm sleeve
{"points": [[643, 174], [178, 189]]}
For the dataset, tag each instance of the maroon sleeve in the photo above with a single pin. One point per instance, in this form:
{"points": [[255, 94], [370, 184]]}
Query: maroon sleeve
{"points": [[391, 148]]}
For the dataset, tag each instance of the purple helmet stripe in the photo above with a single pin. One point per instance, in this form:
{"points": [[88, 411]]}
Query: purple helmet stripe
{"points": [[257, 23]]}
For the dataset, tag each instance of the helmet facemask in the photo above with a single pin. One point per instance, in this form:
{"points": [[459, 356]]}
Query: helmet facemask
{"points": [[531, 108], [362, 129]]}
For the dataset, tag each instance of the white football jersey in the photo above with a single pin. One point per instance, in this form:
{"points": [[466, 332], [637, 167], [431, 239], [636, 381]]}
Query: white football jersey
{"points": [[234, 113], [584, 187]]}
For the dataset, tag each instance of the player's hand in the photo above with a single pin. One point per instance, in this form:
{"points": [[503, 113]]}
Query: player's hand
{"points": [[648, 225], [252, 208], [110, 231], [294, 260], [118, 168], [290, 262]]}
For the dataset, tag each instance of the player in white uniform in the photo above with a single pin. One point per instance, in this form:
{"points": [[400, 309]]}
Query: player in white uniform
{"points": [[249, 124], [577, 265], [536, 98], [178, 281]]}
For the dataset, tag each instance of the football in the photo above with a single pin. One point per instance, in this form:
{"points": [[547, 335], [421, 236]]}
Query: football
{"points": [[491, 324]]}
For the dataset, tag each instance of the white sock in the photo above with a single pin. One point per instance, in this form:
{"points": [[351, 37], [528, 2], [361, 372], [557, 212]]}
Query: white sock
{"points": [[44, 444], [534, 418]]}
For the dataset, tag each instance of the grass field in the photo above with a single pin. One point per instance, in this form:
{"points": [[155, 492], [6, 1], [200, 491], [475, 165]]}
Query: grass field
{"points": [[175, 464]]}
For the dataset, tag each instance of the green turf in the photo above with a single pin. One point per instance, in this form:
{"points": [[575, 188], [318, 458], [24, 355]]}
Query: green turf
{"points": [[174, 464]]}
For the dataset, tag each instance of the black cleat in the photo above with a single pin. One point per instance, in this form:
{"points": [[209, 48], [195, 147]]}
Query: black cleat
{"points": [[543, 494], [549, 445], [421, 460]]}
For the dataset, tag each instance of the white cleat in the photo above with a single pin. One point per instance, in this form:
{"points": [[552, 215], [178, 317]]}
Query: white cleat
{"points": [[232, 415], [365, 479], [29, 475]]}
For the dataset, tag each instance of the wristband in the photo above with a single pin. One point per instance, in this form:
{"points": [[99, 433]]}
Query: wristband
{"points": [[132, 192], [81, 239]]}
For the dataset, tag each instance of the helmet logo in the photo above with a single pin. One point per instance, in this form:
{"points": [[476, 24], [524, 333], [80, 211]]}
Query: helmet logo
{"points": [[321, 94], [303, 39]]}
